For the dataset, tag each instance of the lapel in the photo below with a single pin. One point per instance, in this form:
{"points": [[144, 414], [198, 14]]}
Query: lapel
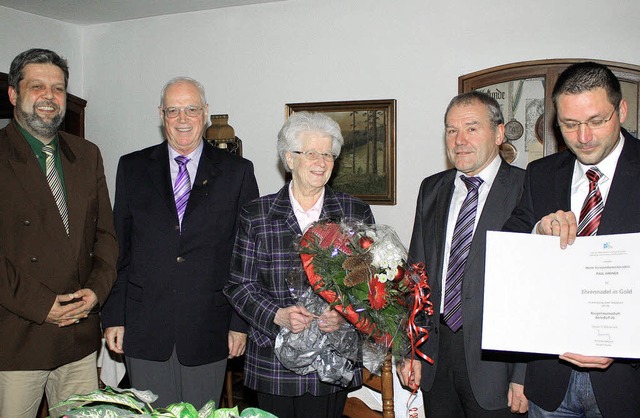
{"points": [[75, 181], [561, 187], [492, 212], [331, 207], [623, 198], [33, 182], [206, 176], [444, 193], [158, 167], [281, 211]]}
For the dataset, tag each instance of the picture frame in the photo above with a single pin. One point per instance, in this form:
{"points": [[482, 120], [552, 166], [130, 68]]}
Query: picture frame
{"points": [[366, 125]]}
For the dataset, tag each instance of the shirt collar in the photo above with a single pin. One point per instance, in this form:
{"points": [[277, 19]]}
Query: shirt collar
{"points": [[297, 208], [193, 155], [35, 143], [488, 174]]}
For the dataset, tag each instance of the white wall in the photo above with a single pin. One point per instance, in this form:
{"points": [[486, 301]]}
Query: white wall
{"points": [[21, 31], [254, 59]]}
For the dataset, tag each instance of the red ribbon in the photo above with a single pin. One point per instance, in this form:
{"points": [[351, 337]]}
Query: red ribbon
{"points": [[421, 291]]}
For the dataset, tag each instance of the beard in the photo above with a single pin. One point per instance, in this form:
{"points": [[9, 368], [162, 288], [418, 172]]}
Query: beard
{"points": [[43, 128]]}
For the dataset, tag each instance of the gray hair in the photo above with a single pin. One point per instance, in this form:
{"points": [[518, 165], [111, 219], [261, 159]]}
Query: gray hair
{"points": [[587, 76], [35, 56], [495, 113], [181, 79], [300, 122]]}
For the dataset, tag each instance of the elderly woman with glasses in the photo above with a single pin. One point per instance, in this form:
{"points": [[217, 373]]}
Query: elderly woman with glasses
{"points": [[265, 257]]}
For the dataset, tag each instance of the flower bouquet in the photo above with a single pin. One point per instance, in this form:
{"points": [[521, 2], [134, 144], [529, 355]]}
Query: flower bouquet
{"points": [[362, 272]]}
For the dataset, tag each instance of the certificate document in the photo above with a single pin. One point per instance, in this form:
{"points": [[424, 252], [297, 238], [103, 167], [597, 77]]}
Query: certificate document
{"points": [[584, 299]]}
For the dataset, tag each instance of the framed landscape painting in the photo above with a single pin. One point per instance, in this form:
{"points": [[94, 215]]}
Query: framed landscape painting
{"points": [[366, 167]]}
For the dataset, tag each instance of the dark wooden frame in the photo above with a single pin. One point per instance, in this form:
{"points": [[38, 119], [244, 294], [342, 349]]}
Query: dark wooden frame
{"points": [[550, 70], [388, 109], [73, 122]]}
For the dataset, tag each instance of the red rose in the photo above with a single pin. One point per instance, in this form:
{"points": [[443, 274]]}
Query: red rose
{"points": [[365, 242]]}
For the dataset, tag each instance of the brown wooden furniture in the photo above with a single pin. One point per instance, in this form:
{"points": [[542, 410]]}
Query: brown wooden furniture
{"points": [[355, 408], [548, 71]]}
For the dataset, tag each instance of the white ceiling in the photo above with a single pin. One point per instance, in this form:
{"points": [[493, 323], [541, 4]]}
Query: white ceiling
{"points": [[88, 12]]}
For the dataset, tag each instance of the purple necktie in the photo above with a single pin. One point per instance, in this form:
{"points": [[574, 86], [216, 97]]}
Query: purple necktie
{"points": [[592, 208], [182, 187], [460, 244]]}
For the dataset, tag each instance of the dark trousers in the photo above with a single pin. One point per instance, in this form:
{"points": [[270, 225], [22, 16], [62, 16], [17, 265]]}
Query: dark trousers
{"points": [[174, 382], [304, 406], [451, 395]]}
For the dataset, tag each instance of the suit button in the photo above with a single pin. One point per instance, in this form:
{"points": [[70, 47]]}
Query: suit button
{"points": [[26, 223], [34, 259], [91, 254], [180, 260], [177, 228]]}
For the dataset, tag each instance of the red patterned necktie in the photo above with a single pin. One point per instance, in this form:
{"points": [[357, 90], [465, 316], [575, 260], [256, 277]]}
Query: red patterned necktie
{"points": [[592, 208]]}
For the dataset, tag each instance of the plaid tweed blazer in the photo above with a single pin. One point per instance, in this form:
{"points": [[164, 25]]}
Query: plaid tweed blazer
{"points": [[264, 257]]}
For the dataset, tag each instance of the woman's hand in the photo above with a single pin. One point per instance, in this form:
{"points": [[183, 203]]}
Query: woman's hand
{"points": [[330, 320], [294, 318]]}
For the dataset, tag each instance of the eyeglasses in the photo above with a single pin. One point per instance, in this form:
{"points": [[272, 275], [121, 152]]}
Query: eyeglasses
{"points": [[592, 124], [174, 112], [314, 155]]}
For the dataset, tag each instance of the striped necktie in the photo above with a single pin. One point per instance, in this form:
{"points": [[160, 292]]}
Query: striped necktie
{"points": [[460, 245], [182, 187], [56, 186], [592, 208]]}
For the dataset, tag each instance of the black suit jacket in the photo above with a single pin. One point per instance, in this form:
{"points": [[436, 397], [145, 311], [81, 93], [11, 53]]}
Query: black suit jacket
{"points": [[169, 286], [489, 378], [548, 189]]}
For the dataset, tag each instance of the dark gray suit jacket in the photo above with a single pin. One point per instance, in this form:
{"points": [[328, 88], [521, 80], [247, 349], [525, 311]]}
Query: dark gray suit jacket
{"points": [[489, 378], [548, 189]]}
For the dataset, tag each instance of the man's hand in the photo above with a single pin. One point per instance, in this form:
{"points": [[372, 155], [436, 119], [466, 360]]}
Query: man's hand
{"points": [[561, 224], [330, 320], [587, 361], [237, 343], [115, 339], [294, 318], [409, 372], [516, 401], [67, 309]]}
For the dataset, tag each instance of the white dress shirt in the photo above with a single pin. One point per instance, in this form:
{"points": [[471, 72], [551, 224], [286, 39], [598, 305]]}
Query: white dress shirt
{"points": [[488, 175]]}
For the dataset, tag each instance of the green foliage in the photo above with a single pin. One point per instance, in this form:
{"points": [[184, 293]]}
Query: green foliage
{"points": [[112, 403]]}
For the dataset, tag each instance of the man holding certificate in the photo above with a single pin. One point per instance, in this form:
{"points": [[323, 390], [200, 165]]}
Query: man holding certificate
{"points": [[591, 188]]}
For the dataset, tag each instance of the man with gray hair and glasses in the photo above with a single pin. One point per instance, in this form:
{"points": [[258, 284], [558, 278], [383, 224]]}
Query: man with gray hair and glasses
{"points": [[57, 244], [175, 212], [589, 189]]}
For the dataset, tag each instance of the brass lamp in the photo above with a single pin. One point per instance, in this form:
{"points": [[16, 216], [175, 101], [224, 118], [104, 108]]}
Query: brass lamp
{"points": [[221, 135]]}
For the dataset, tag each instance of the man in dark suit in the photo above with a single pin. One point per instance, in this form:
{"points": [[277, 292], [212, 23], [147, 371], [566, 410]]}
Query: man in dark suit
{"points": [[590, 111], [176, 211], [480, 192], [57, 244]]}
